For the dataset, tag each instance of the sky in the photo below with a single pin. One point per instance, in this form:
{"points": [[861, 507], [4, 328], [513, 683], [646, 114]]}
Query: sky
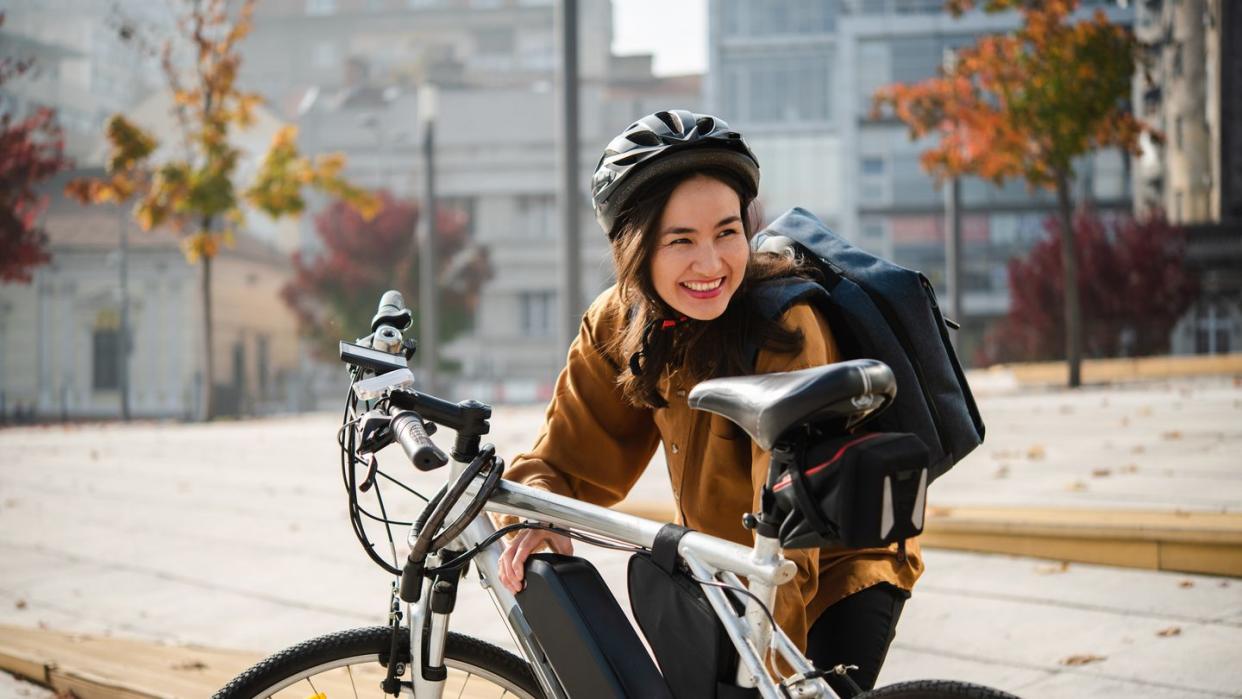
{"points": [[674, 30]]}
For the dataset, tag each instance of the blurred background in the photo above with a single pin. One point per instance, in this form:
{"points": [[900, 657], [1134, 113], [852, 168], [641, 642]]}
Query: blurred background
{"points": [[796, 77]]}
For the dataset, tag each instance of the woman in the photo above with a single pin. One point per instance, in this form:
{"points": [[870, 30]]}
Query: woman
{"points": [[673, 193]]}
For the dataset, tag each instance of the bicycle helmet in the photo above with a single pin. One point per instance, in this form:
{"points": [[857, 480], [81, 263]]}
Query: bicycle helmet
{"points": [[660, 144]]}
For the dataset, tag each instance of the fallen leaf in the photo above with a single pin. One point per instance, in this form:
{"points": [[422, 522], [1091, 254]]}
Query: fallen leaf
{"points": [[1002, 472], [190, 665], [94, 455], [1055, 569], [1101, 473], [1171, 631], [21, 604], [1083, 659], [1145, 410], [1066, 410], [10, 502], [1223, 583], [1186, 583], [1076, 487], [1129, 468], [1035, 453], [1138, 449], [1171, 435], [1125, 421]]}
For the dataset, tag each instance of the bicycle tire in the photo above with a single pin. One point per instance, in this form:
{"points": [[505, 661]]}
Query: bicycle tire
{"points": [[935, 689], [363, 648]]}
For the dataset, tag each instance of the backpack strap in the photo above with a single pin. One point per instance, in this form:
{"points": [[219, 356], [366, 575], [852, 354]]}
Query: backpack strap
{"points": [[664, 549], [774, 297]]}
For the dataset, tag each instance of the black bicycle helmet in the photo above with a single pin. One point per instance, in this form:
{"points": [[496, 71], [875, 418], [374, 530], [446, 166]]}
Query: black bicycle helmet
{"points": [[663, 143]]}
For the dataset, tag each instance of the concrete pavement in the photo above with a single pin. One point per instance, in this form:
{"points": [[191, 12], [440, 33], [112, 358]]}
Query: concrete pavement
{"points": [[233, 535]]}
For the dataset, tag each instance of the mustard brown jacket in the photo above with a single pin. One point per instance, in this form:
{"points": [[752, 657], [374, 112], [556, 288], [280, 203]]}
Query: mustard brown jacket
{"points": [[594, 445]]}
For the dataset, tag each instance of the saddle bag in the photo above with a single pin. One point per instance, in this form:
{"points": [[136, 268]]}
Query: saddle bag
{"points": [[857, 491], [689, 642], [583, 631]]}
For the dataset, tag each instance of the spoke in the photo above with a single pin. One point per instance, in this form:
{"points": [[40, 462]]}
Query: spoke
{"points": [[312, 684], [350, 670], [463, 685]]}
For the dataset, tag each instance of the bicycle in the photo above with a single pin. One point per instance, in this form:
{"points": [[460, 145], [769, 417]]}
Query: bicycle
{"points": [[454, 531]]}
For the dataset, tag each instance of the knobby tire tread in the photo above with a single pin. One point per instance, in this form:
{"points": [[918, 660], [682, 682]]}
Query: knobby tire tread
{"points": [[935, 689], [372, 640]]}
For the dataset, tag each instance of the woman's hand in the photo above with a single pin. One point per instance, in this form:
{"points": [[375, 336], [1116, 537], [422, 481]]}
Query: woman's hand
{"points": [[527, 541]]}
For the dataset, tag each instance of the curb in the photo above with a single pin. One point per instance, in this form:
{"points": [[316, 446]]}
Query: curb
{"points": [[1033, 374], [1188, 542]]}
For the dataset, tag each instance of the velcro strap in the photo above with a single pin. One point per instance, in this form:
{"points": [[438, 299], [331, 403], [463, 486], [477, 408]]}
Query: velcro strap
{"points": [[664, 548], [806, 503]]}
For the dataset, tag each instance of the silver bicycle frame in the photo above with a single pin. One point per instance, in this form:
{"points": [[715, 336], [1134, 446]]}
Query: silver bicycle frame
{"points": [[709, 558]]}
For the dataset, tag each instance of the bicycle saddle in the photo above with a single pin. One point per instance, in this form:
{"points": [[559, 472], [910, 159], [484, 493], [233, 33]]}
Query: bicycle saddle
{"points": [[766, 406]]}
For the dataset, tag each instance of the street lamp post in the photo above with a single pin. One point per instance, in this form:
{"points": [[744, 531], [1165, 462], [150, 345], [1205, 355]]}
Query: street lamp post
{"points": [[428, 340], [571, 255]]}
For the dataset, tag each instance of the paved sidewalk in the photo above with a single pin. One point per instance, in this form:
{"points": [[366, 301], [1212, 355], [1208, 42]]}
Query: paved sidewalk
{"points": [[233, 535]]}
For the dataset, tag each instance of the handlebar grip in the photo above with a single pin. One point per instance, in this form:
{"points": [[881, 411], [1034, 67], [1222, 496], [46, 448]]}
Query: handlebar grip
{"points": [[408, 428]]}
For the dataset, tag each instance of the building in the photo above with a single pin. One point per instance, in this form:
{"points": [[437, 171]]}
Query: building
{"points": [[82, 66], [1194, 97], [61, 339], [797, 77]]}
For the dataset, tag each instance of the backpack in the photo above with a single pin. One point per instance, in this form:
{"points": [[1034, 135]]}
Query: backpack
{"points": [[879, 310]]}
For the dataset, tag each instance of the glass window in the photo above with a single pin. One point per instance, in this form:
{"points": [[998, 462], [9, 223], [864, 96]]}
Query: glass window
{"points": [[872, 165], [105, 358], [538, 311]]}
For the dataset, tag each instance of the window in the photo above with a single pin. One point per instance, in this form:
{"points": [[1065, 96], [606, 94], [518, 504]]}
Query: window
{"points": [[320, 7], [538, 313], [1212, 326], [105, 356], [872, 166]]}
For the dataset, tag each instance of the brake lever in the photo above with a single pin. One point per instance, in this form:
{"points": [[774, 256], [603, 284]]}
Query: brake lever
{"points": [[374, 431], [372, 467]]}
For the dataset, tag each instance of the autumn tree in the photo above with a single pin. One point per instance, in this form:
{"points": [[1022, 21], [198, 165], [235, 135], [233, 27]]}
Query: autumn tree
{"points": [[334, 291], [1026, 105], [191, 186], [1133, 280], [31, 150]]}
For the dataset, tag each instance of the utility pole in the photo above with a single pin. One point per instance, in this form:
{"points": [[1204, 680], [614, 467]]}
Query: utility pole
{"points": [[428, 302], [953, 250], [571, 254], [124, 343]]}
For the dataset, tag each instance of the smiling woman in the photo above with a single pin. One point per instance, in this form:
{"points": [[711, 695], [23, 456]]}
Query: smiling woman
{"points": [[673, 192]]}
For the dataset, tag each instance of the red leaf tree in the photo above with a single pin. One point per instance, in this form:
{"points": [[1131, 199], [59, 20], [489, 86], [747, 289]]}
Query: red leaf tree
{"points": [[1132, 278], [31, 150], [334, 294]]}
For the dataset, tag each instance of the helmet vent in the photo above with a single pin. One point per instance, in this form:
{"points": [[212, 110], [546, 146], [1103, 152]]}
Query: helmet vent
{"points": [[643, 138], [671, 120], [705, 125]]}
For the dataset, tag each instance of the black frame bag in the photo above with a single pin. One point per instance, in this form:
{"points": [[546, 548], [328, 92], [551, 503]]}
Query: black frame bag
{"points": [[689, 643], [858, 491]]}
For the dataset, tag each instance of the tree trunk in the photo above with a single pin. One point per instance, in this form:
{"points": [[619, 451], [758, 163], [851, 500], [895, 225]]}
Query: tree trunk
{"points": [[207, 403], [1069, 265]]}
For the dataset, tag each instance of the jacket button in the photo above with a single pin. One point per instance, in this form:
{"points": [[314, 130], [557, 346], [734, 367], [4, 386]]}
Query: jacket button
{"points": [[674, 448]]}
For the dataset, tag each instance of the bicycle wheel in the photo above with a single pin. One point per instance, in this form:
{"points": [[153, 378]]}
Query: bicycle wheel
{"points": [[935, 689], [348, 664]]}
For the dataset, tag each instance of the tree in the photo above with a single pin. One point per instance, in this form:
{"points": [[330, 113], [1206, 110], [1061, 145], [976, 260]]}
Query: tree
{"points": [[335, 291], [31, 150], [1134, 283], [1025, 105], [195, 193]]}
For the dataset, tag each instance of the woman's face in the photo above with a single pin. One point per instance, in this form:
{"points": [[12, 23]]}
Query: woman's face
{"points": [[701, 249]]}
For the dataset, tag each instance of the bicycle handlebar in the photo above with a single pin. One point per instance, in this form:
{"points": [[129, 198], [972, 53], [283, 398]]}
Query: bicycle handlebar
{"points": [[407, 429]]}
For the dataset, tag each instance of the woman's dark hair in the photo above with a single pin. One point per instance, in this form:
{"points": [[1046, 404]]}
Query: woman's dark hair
{"points": [[701, 349]]}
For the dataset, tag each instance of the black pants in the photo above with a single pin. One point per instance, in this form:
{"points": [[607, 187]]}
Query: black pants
{"points": [[856, 631]]}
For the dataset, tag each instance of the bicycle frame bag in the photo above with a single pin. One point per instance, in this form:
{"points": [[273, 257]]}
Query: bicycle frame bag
{"points": [[583, 632], [879, 310], [857, 491], [689, 642]]}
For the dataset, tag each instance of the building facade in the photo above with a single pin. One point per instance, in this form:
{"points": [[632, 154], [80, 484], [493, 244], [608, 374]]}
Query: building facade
{"points": [[859, 173], [1191, 91]]}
